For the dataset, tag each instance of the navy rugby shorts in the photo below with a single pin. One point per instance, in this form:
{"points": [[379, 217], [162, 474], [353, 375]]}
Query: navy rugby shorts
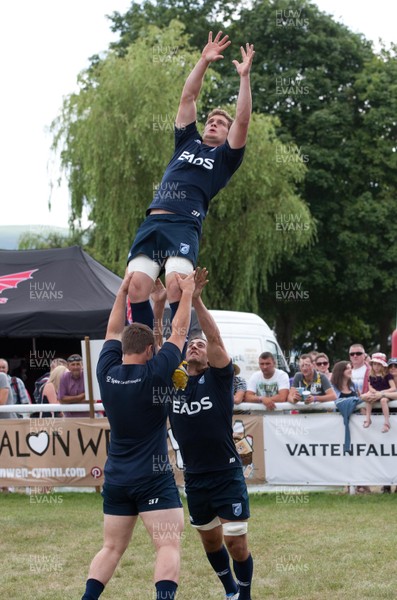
{"points": [[152, 493], [219, 494], [164, 235]]}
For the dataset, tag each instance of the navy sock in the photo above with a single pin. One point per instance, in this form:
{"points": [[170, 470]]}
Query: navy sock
{"points": [[166, 589], [244, 571], [142, 313], [93, 589], [174, 308], [220, 563]]}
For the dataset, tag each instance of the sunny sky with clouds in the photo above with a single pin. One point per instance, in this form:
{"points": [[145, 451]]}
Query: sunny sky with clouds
{"points": [[44, 45]]}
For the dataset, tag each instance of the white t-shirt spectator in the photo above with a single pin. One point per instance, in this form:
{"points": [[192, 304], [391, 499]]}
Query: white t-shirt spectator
{"points": [[268, 387], [358, 376]]}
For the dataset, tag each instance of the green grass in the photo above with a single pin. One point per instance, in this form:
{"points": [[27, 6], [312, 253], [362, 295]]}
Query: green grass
{"points": [[315, 546]]}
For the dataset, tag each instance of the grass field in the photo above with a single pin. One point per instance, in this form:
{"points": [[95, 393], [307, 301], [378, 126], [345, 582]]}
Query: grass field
{"points": [[308, 546]]}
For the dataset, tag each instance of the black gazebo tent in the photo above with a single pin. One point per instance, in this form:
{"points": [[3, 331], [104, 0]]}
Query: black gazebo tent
{"points": [[60, 292]]}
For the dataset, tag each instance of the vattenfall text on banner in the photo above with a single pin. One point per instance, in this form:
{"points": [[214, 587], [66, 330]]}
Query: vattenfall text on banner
{"points": [[308, 449]]}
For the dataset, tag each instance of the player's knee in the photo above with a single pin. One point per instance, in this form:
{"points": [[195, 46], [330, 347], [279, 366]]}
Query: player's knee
{"points": [[237, 547], [173, 289], [139, 287], [116, 549]]}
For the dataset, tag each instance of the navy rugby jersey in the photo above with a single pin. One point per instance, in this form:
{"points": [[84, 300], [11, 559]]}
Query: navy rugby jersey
{"points": [[201, 421], [132, 398], [195, 174]]}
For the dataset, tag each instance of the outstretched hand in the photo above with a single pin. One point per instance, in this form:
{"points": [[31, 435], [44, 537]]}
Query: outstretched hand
{"points": [[158, 293], [126, 281], [186, 284], [200, 281], [213, 50], [247, 56]]}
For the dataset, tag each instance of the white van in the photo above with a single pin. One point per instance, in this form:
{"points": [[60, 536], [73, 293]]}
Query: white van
{"points": [[246, 336]]}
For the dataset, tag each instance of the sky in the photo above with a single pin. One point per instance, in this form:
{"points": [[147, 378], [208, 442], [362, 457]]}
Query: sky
{"points": [[44, 45]]}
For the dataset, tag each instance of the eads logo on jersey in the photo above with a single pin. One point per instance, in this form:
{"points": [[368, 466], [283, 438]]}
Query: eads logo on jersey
{"points": [[207, 163], [183, 408]]}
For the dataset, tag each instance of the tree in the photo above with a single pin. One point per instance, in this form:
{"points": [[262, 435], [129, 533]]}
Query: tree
{"points": [[197, 16]]}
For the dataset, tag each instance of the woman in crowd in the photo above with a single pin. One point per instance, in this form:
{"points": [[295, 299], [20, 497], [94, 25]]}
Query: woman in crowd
{"points": [[342, 380], [380, 383], [51, 388]]}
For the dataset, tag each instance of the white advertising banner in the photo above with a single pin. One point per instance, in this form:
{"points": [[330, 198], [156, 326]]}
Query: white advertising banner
{"points": [[308, 450]]}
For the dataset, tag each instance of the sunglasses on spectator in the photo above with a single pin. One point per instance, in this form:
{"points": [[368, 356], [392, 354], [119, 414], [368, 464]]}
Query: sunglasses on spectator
{"points": [[322, 363], [393, 365], [356, 353]]}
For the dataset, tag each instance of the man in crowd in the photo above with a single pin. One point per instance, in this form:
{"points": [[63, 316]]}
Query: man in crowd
{"points": [[310, 380], [71, 387], [268, 385], [201, 421], [129, 377], [19, 392], [360, 369]]}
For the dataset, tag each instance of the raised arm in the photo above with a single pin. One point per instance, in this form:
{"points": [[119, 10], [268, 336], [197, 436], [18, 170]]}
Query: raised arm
{"points": [[158, 296], [237, 136], [216, 352], [212, 52], [116, 321], [181, 321]]}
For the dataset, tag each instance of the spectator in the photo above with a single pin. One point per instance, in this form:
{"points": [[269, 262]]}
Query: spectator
{"points": [[347, 395], [308, 378], [71, 388], [51, 388], [239, 386], [40, 383], [6, 396], [379, 381], [268, 385], [360, 369], [322, 363], [392, 368], [313, 355], [342, 380], [360, 374], [19, 392]]}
